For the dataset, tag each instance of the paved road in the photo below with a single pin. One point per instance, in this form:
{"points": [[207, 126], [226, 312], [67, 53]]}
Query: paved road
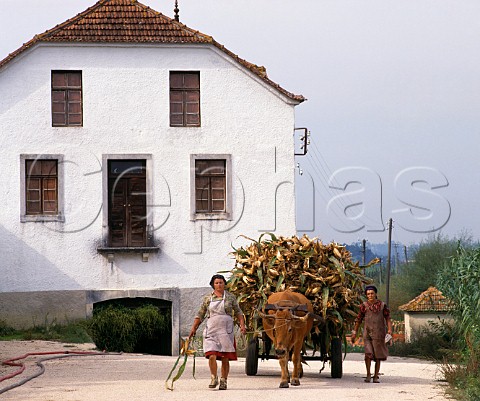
{"points": [[131, 377]]}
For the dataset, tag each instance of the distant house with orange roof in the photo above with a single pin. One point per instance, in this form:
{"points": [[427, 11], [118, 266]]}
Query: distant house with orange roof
{"points": [[431, 305], [135, 151]]}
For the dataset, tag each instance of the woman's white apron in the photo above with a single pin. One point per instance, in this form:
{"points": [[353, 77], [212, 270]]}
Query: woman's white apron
{"points": [[218, 332]]}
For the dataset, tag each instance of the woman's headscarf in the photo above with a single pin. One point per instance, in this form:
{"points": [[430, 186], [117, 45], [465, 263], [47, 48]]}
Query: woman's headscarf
{"points": [[370, 287]]}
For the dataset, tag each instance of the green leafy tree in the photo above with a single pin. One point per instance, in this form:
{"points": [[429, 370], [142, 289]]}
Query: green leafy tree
{"points": [[421, 272], [428, 260], [458, 281]]}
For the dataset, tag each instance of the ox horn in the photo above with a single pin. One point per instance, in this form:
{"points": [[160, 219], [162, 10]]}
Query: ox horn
{"points": [[317, 318], [265, 315], [301, 318]]}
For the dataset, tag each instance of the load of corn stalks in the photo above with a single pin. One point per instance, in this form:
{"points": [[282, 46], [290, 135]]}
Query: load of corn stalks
{"points": [[325, 274]]}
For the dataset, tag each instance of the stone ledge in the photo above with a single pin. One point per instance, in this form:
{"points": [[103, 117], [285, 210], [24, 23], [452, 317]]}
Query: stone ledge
{"points": [[110, 251]]}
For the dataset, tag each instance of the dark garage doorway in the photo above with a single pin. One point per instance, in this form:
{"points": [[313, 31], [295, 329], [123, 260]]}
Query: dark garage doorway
{"points": [[160, 341]]}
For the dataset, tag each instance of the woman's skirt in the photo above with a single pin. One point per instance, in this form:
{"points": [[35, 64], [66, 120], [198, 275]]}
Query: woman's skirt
{"points": [[218, 338], [375, 349]]}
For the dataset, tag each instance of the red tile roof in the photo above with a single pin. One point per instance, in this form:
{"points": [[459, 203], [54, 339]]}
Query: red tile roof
{"points": [[431, 300], [128, 21]]}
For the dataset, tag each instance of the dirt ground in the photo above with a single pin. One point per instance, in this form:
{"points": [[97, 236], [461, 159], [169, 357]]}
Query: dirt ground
{"points": [[131, 377]]}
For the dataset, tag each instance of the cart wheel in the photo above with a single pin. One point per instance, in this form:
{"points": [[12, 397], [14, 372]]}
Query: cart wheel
{"points": [[336, 358], [251, 360]]}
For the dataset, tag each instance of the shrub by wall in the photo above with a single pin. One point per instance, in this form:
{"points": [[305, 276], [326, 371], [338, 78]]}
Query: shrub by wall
{"points": [[116, 328]]}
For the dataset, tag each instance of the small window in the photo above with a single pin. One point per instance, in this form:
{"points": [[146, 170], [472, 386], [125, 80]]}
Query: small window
{"points": [[67, 99], [211, 181], [184, 99], [41, 187], [210, 186]]}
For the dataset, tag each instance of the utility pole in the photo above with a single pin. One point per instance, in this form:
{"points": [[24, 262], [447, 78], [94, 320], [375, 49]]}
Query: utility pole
{"points": [[387, 300], [405, 251], [364, 251], [380, 272], [397, 258]]}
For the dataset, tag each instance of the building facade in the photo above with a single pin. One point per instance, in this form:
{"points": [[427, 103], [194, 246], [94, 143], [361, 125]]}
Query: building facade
{"points": [[429, 307], [135, 151]]}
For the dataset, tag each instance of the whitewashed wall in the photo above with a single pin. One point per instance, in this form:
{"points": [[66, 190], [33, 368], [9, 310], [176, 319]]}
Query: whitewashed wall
{"points": [[416, 322], [126, 111]]}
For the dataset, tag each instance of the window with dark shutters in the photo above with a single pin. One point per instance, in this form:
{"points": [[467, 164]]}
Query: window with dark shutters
{"points": [[184, 99], [67, 99], [210, 186], [41, 187]]}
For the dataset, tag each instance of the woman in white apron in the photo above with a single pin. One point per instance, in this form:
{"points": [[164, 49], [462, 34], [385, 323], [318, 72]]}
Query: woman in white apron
{"points": [[219, 307]]}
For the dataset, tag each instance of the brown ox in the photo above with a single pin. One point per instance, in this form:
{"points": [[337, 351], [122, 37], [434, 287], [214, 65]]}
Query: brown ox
{"points": [[287, 321]]}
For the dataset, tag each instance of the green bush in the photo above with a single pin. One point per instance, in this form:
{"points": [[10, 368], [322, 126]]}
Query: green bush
{"points": [[74, 332], [458, 281], [437, 342], [121, 329], [464, 386], [410, 280], [5, 330]]}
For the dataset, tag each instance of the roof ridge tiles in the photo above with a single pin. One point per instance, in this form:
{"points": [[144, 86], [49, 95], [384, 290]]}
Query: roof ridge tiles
{"points": [[96, 24], [431, 299]]}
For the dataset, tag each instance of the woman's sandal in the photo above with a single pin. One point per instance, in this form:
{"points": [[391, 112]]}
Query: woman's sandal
{"points": [[368, 379], [375, 379]]}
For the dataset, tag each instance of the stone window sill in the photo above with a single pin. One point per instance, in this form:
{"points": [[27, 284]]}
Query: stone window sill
{"points": [[110, 251]]}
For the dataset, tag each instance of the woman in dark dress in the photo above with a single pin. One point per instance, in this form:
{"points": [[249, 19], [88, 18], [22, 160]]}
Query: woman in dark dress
{"points": [[377, 321]]}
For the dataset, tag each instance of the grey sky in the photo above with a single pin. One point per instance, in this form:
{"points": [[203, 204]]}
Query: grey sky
{"points": [[393, 91]]}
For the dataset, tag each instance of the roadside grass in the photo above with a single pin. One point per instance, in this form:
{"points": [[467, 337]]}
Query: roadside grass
{"points": [[71, 332], [440, 343], [463, 385]]}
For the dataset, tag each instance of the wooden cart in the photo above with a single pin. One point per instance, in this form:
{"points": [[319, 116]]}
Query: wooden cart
{"points": [[260, 347]]}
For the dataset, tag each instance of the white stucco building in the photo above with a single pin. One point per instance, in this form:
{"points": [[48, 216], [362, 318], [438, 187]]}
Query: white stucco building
{"points": [[430, 306], [135, 151]]}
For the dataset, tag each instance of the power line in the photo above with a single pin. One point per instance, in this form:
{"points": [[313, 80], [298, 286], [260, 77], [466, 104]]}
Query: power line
{"points": [[322, 173], [321, 194], [329, 173]]}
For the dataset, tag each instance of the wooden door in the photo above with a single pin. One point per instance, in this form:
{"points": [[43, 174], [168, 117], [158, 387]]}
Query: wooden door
{"points": [[127, 219]]}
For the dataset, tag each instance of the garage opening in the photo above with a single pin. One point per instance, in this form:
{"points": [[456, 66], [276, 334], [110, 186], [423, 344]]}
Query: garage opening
{"points": [[141, 325]]}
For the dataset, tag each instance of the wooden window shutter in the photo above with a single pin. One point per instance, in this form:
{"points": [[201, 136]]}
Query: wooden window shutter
{"points": [[210, 186], [184, 99], [67, 103], [41, 187]]}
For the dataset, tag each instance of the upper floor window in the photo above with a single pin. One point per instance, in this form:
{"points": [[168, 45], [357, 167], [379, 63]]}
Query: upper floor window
{"points": [[184, 99], [211, 179], [41, 184], [67, 99]]}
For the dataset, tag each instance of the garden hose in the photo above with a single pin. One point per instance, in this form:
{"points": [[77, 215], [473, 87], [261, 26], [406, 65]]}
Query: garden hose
{"points": [[39, 363]]}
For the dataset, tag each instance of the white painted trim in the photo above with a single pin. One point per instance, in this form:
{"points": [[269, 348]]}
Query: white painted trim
{"points": [[227, 215], [60, 217]]}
